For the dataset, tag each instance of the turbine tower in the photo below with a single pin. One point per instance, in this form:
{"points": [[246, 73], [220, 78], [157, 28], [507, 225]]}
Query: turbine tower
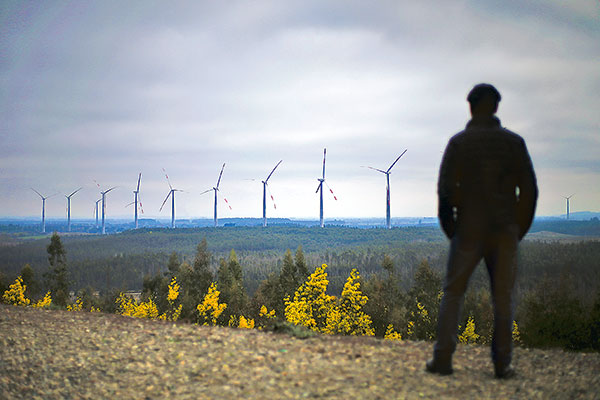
{"points": [[136, 202], [43, 209], [265, 184], [104, 207], [320, 188], [69, 209], [172, 194], [387, 173], [97, 201], [568, 198], [216, 189]]}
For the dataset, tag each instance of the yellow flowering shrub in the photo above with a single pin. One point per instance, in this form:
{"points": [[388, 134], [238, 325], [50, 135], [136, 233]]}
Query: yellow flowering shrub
{"points": [[347, 317], [390, 334], [146, 309], [94, 309], [15, 294], [265, 317], [174, 311], [418, 325], [469, 336], [311, 304], [125, 305], [210, 309], [516, 335], [410, 329], [264, 312], [241, 322], [246, 323], [173, 290], [130, 308], [44, 302], [77, 306]]}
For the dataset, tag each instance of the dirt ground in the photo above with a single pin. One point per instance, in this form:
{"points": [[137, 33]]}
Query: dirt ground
{"points": [[48, 354]]}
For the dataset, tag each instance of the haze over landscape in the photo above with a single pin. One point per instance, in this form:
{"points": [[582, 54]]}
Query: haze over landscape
{"points": [[104, 90]]}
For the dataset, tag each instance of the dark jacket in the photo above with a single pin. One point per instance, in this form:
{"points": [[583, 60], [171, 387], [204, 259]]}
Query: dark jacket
{"points": [[486, 181]]}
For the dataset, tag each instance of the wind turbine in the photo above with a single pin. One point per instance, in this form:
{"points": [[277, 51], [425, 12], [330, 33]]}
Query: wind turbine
{"points": [[568, 198], [135, 201], [320, 188], [265, 195], [216, 189], [97, 201], [172, 194], [104, 205], [387, 173], [69, 209], [43, 209]]}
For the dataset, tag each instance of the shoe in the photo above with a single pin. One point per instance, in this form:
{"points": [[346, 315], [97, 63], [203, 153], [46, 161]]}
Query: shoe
{"points": [[505, 372], [437, 367]]}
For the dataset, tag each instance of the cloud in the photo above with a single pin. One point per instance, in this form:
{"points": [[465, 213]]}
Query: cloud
{"points": [[104, 90]]}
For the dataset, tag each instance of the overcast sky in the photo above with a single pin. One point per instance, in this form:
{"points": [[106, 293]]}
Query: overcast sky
{"points": [[103, 90]]}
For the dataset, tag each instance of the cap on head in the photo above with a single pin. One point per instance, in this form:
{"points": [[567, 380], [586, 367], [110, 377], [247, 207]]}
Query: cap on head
{"points": [[481, 91]]}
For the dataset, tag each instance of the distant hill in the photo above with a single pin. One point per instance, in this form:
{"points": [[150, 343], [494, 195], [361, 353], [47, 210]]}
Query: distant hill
{"points": [[582, 215], [590, 227]]}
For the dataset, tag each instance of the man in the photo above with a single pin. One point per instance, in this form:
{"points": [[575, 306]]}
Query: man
{"points": [[487, 195]]}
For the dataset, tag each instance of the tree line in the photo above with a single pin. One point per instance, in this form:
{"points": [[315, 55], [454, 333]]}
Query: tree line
{"points": [[551, 311]]}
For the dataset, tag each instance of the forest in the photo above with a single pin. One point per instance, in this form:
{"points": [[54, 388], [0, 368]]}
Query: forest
{"points": [[123, 260], [396, 267]]}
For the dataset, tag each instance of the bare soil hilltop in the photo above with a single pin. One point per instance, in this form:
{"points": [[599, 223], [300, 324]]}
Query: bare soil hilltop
{"points": [[47, 354]]}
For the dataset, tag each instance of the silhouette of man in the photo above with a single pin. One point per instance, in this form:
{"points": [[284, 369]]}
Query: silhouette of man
{"points": [[487, 194]]}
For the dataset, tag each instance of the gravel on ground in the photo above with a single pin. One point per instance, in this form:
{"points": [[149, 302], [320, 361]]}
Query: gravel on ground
{"points": [[52, 354]]}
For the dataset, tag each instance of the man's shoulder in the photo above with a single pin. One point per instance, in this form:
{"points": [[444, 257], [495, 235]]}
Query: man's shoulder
{"points": [[507, 134], [457, 137], [511, 134]]}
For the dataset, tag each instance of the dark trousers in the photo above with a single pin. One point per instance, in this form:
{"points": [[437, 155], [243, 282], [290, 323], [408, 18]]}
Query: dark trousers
{"points": [[499, 250]]}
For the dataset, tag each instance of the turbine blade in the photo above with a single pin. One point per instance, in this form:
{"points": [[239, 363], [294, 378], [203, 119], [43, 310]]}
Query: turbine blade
{"points": [[166, 198], [331, 191], [394, 163], [37, 192], [97, 184], [133, 202], [75, 192], [319, 187], [206, 191], [324, 154], [266, 180], [138, 185], [114, 187], [168, 181], [375, 169], [272, 198], [227, 203], [220, 175]]}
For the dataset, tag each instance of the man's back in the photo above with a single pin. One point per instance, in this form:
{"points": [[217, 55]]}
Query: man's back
{"points": [[482, 168]]}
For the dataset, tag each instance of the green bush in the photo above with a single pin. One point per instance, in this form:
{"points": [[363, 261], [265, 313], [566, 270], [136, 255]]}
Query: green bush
{"points": [[552, 316]]}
